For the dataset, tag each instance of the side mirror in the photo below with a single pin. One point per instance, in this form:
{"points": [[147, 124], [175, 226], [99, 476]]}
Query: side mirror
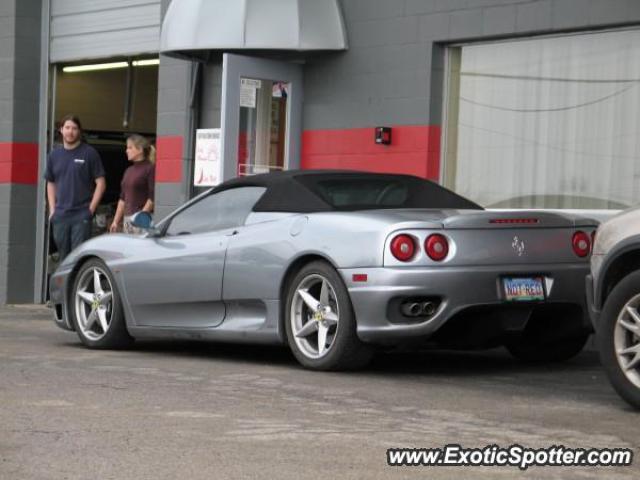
{"points": [[144, 221]]}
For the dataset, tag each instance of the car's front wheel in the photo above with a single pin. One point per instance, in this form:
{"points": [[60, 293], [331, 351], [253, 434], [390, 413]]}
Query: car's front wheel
{"points": [[320, 322], [618, 336], [96, 308]]}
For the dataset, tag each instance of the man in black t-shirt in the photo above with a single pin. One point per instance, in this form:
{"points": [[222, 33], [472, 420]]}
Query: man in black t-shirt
{"points": [[75, 184]]}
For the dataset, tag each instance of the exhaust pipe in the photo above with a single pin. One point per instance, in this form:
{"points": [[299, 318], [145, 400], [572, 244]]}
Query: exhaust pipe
{"points": [[427, 308], [411, 309]]}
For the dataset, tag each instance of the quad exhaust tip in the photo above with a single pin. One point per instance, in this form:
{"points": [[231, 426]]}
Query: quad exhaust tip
{"points": [[418, 309], [411, 309]]}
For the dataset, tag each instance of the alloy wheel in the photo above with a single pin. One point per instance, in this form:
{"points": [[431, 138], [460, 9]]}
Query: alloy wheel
{"points": [[626, 340], [314, 316], [94, 303]]}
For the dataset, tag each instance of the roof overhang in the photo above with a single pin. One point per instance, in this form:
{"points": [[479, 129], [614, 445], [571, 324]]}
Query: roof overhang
{"points": [[192, 27]]}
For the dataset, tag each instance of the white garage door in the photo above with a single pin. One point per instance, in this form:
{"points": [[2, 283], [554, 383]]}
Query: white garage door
{"points": [[92, 29]]}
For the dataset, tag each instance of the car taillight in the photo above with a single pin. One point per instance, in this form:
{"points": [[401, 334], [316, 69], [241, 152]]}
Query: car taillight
{"points": [[437, 247], [403, 247], [581, 244]]}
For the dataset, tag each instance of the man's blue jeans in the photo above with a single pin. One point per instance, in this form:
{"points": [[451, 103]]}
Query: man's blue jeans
{"points": [[69, 231]]}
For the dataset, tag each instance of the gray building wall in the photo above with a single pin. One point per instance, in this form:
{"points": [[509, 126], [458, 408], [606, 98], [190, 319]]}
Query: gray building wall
{"points": [[177, 117], [392, 73], [20, 22], [210, 95], [174, 79], [189, 97]]}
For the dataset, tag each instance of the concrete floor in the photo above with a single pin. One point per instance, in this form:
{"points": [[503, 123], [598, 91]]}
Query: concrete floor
{"points": [[212, 411]]}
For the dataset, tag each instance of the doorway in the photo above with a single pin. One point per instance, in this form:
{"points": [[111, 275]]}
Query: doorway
{"points": [[261, 115], [113, 99]]}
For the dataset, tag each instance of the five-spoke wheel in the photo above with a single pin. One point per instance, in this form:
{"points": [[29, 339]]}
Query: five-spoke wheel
{"points": [[94, 303], [320, 323], [314, 316], [96, 307]]}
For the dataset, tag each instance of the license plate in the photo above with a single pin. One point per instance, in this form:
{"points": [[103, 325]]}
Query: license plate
{"points": [[523, 289]]}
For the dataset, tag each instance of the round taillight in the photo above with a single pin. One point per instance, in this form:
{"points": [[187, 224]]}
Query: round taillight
{"points": [[437, 247], [403, 247], [581, 244]]}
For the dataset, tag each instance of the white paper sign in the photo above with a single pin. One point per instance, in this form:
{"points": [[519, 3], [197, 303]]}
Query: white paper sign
{"points": [[206, 172], [248, 87], [250, 82], [247, 97]]}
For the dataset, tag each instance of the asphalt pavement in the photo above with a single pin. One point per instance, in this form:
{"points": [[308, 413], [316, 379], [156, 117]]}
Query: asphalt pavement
{"points": [[216, 411]]}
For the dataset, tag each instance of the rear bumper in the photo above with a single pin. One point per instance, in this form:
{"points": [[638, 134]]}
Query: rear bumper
{"points": [[593, 309], [458, 288], [57, 288]]}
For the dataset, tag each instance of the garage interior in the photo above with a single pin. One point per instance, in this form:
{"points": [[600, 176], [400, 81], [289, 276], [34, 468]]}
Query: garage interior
{"points": [[113, 98]]}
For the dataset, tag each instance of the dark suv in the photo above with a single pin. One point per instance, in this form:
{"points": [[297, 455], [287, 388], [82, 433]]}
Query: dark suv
{"points": [[613, 294]]}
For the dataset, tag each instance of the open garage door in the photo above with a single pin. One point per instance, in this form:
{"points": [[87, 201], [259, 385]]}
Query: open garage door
{"points": [[113, 98]]}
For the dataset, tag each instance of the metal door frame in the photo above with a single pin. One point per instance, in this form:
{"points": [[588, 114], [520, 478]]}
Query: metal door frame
{"points": [[48, 77], [233, 68]]}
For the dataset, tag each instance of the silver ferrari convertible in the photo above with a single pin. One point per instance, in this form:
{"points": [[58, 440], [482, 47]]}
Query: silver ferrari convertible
{"points": [[335, 264]]}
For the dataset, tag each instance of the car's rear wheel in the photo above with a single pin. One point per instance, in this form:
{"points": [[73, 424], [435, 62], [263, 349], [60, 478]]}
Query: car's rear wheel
{"points": [[320, 322], [618, 336], [541, 350], [96, 308]]}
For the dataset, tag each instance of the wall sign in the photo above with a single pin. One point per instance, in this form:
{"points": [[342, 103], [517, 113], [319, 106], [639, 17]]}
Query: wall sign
{"points": [[207, 169]]}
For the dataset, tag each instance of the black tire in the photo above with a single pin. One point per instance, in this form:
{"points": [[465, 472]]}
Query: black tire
{"points": [[93, 335], [547, 351], [624, 293], [346, 351]]}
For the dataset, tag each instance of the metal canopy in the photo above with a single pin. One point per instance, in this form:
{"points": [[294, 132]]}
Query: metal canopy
{"points": [[223, 25]]}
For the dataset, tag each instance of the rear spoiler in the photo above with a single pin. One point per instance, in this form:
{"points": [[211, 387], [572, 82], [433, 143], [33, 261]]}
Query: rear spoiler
{"points": [[519, 219]]}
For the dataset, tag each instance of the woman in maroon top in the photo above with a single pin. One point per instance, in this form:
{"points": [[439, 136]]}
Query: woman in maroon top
{"points": [[138, 183]]}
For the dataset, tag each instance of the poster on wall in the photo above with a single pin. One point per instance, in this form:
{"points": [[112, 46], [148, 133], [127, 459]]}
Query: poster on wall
{"points": [[207, 168]]}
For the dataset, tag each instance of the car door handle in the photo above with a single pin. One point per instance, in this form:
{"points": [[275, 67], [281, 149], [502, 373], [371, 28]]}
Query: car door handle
{"points": [[235, 232]]}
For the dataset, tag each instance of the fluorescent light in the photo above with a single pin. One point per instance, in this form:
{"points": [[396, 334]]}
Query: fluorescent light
{"points": [[146, 63], [95, 66], [110, 66]]}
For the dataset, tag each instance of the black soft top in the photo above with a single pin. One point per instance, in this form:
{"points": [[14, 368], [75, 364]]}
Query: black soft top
{"points": [[308, 191]]}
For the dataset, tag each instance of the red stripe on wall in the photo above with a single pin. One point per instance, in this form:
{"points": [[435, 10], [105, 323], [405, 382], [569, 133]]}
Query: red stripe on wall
{"points": [[19, 163], [414, 150], [169, 159]]}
